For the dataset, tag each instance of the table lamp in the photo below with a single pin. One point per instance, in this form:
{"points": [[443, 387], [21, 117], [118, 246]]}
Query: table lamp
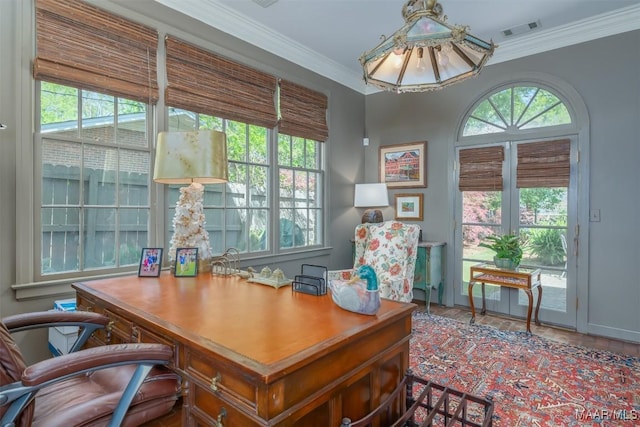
{"points": [[370, 196], [194, 158]]}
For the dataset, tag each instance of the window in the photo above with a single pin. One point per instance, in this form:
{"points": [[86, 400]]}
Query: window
{"points": [[94, 184], [239, 214], [300, 179], [517, 108]]}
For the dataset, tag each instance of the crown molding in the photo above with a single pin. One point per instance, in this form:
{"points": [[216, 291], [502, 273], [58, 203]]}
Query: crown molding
{"points": [[607, 24], [225, 19]]}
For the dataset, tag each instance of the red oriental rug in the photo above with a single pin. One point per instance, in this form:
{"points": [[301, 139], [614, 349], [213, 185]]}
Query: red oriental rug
{"points": [[533, 382]]}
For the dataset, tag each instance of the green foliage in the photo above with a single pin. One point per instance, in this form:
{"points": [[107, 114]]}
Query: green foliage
{"points": [[546, 245], [507, 246]]}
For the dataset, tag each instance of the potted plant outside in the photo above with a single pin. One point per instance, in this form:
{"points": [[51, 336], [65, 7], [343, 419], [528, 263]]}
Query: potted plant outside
{"points": [[507, 248]]}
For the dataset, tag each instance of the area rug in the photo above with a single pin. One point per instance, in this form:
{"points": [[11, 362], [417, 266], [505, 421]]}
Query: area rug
{"points": [[533, 382]]}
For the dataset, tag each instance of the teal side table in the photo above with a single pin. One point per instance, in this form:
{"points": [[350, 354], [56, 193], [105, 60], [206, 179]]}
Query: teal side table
{"points": [[428, 271]]}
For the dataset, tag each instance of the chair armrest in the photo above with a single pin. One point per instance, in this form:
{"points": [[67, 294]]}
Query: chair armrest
{"points": [[95, 358], [44, 319], [340, 274]]}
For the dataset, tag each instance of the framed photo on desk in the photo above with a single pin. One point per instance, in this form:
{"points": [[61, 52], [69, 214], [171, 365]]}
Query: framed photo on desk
{"points": [[150, 262], [186, 262]]}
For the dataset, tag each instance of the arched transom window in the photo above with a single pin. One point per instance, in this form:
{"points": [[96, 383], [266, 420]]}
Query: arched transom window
{"points": [[514, 109]]}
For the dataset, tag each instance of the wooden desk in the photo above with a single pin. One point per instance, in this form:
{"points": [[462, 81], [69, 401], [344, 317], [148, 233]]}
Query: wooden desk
{"points": [[521, 278], [251, 355]]}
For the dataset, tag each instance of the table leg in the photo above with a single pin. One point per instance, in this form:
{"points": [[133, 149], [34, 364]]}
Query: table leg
{"points": [[529, 309], [538, 304], [473, 309], [484, 303]]}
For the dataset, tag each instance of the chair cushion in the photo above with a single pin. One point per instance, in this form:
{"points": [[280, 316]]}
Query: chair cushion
{"points": [[89, 400], [12, 365]]}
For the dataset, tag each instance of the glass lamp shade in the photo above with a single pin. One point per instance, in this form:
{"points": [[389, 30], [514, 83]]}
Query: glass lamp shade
{"points": [[425, 54], [186, 157]]}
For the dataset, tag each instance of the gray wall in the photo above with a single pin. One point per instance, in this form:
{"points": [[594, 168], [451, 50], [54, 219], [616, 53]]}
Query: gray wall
{"points": [[605, 74]]}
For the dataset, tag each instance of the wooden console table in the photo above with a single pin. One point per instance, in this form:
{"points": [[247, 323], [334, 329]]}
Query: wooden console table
{"points": [[521, 278], [251, 355]]}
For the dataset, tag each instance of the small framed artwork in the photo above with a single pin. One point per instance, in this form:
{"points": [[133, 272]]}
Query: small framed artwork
{"points": [[186, 262], [409, 206], [404, 165], [150, 262]]}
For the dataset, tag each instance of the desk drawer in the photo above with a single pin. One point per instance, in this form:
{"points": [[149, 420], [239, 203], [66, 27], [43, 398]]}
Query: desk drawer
{"points": [[145, 336], [222, 379], [121, 328], [208, 409]]}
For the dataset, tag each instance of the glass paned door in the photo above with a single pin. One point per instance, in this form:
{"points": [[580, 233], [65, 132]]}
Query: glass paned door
{"points": [[545, 219]]}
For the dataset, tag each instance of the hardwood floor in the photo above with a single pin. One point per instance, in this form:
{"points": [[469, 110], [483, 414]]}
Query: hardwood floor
{"points": [[504, 323]]}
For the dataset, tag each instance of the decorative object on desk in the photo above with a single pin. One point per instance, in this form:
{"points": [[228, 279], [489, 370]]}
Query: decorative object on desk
{"points": [[150, 262], [426, 53], [533, 381], [507, 248], [186, 262], [409, 206], [404, 165], [369, 196], [226, 264], [359, 294], [311, 280], [193, 158], [275, 278]]}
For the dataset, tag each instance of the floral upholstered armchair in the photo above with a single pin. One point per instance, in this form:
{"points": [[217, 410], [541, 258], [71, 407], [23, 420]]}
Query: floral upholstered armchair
{"points": [[389, 247]]}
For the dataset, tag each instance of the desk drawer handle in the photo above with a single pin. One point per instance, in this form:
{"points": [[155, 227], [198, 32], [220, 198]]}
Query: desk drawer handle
{"points": [[221, 415], [214, 382]]}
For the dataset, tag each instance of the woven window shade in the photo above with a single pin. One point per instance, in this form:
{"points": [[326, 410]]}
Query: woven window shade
{"points": [[544, 164], [203, 82], [83, 46], [303, 112], [481, 169]]}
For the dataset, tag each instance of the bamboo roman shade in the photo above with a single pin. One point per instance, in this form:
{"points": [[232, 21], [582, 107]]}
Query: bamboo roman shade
{"points": [[544, 164], [481, 169], [303, 112], [200, 81], [83, 46]]}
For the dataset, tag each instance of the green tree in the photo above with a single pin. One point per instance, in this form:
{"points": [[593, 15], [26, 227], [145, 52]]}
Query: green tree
{"points": [[536, 199]]}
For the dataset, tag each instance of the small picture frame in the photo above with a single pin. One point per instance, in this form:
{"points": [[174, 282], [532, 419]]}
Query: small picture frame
{"points": [[186, 262], [409, 206], [150, 262]]}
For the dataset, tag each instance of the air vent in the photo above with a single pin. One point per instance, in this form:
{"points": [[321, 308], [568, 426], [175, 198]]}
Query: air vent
{"points": [[520, 29], [265, 3]]}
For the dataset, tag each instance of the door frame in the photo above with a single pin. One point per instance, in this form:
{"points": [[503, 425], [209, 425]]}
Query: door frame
{"points": [[579, 130]]}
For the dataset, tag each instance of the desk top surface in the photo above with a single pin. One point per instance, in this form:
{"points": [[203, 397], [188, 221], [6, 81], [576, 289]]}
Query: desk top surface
{"points": [[245, 321]]}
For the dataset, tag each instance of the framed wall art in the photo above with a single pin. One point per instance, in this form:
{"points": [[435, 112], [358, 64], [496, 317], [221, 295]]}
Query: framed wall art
{"points": [[409, 206], [404, 165], [186, 262], [150, 262]]}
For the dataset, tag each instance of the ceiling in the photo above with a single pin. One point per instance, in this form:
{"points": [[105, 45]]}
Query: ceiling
{"points": [[328, 36]]}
